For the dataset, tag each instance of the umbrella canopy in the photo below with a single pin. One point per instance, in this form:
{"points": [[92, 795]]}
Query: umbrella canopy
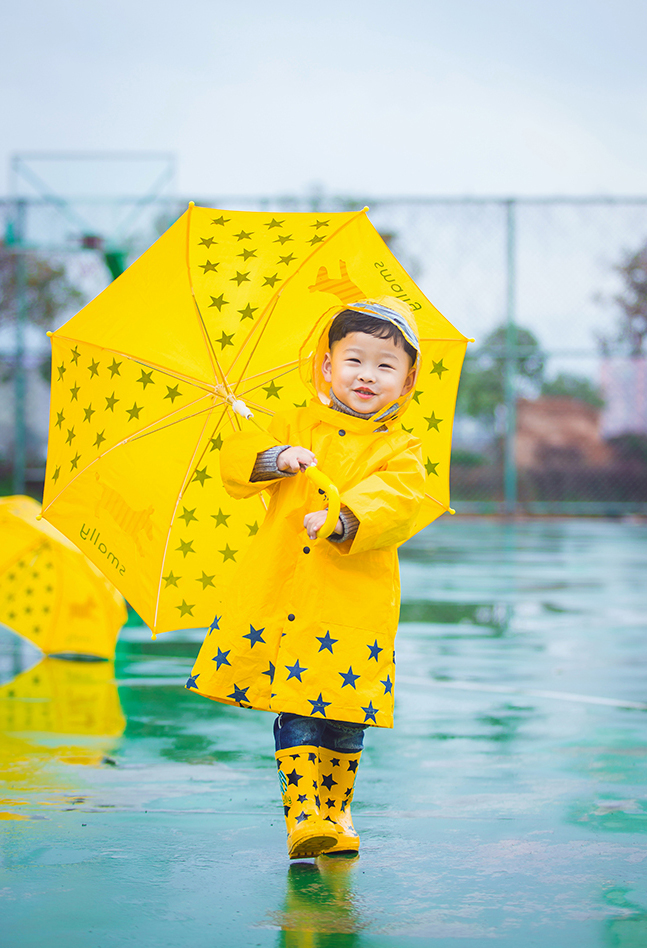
{"points": [[147, 380], [50, 593]]}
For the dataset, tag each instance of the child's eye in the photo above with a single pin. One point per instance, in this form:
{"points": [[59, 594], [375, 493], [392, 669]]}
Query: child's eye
{"points": [[384, 365]]}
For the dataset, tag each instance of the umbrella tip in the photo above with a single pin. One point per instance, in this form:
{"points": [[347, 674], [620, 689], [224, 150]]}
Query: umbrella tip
{"points": [[48, 333], [471, 340], [451, 510], [154, 636], [191, 203], [364, 209], [39, 516]]}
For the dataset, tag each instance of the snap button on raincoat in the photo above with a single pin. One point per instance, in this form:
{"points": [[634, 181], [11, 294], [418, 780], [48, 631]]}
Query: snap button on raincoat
{"points": [[314, 634]]}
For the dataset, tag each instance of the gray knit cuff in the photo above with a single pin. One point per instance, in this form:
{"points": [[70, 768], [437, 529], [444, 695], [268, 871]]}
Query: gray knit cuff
{"points": [[350, 526], [265, 468]]}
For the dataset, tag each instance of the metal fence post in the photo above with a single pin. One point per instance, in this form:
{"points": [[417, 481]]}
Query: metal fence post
{"points": [[509, 459], [20, 378]]}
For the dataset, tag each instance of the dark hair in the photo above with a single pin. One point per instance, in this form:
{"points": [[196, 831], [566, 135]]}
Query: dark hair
{"points": [[349, 321]]}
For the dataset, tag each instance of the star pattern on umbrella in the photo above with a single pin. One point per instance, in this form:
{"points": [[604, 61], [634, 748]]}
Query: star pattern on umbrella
{"points": [[247, 312], [438, 368], [188, 515], [430, 467], [433, 422], [185, 547], [220, 518], [272, 389]]}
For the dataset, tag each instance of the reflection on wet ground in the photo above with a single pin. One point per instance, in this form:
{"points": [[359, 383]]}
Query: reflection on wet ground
{"points": [[507, 807]]}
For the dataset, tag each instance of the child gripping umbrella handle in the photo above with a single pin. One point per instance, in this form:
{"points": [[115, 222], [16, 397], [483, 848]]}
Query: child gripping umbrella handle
{"points": [[324, 484]]}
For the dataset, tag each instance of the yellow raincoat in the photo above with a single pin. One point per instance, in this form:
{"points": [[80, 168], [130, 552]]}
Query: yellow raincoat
{"points": [[308, 627]]}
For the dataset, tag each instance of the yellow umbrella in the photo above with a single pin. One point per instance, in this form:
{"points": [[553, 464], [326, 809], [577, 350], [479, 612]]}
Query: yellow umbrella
{"points": [[153, 374], [58, 711], [50, 593]]}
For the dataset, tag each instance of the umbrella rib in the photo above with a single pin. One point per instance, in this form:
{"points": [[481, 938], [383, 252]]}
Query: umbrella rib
{"points": [[183, 487], [119, 444], [209, 344], [260, 408], [445, 507], [280, 375], [286, 365], [145, 434], [217, 367], [272, 303], [150, 365], [266, 323]]}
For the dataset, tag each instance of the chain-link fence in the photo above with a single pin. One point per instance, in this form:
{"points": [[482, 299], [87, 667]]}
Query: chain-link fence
{"points": [[552, 413]]}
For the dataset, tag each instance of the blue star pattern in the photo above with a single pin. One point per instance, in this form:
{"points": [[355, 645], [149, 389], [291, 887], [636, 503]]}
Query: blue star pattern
{"points": [[254, 636], [326, 642], [240, 694], [349, 677], [215, 624], [319, 705], [295, 671], [388, 685], [374, 650], [190, 682], [270, 672], [221, 658], [370, 713]]}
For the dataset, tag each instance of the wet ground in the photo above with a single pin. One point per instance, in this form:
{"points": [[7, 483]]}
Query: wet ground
{"points": [[508, 806]]}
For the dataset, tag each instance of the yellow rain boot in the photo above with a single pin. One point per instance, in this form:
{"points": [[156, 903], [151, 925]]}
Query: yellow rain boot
{"points": [[308, 834], [337, 781]]}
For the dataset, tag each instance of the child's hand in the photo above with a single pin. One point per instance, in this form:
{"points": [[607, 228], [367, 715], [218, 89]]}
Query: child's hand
{"points": [[295, 459], [313, 522]]}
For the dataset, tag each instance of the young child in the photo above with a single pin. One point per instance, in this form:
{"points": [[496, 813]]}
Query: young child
{"points": [[308, 628]]}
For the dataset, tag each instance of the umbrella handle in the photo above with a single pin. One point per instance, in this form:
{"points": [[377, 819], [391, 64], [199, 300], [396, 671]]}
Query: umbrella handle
{"points": [[325, 485]]}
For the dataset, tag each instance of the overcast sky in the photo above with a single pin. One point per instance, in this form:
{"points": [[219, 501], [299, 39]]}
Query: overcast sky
{"points": [[375, 98]]}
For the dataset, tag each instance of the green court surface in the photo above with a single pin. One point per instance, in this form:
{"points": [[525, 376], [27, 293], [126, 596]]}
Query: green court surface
{"points": [[508, 807]]}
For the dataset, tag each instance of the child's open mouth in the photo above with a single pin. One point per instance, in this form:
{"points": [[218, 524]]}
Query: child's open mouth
{"points": [[364, 392]]}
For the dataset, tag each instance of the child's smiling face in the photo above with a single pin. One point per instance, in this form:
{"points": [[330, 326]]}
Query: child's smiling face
{"points": [[368, 373]]}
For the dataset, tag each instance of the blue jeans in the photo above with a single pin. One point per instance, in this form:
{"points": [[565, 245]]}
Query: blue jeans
{"points": [[293, 730]]}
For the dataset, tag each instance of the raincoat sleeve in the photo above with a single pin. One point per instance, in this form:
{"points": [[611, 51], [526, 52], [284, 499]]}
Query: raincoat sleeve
{"points": [[387, 502], [238, 457]]}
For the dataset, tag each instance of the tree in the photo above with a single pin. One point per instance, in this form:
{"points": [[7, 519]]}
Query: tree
{"points": [[573, 386], [47, 288], [631, 333], [482, 385], [47, 292]]}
